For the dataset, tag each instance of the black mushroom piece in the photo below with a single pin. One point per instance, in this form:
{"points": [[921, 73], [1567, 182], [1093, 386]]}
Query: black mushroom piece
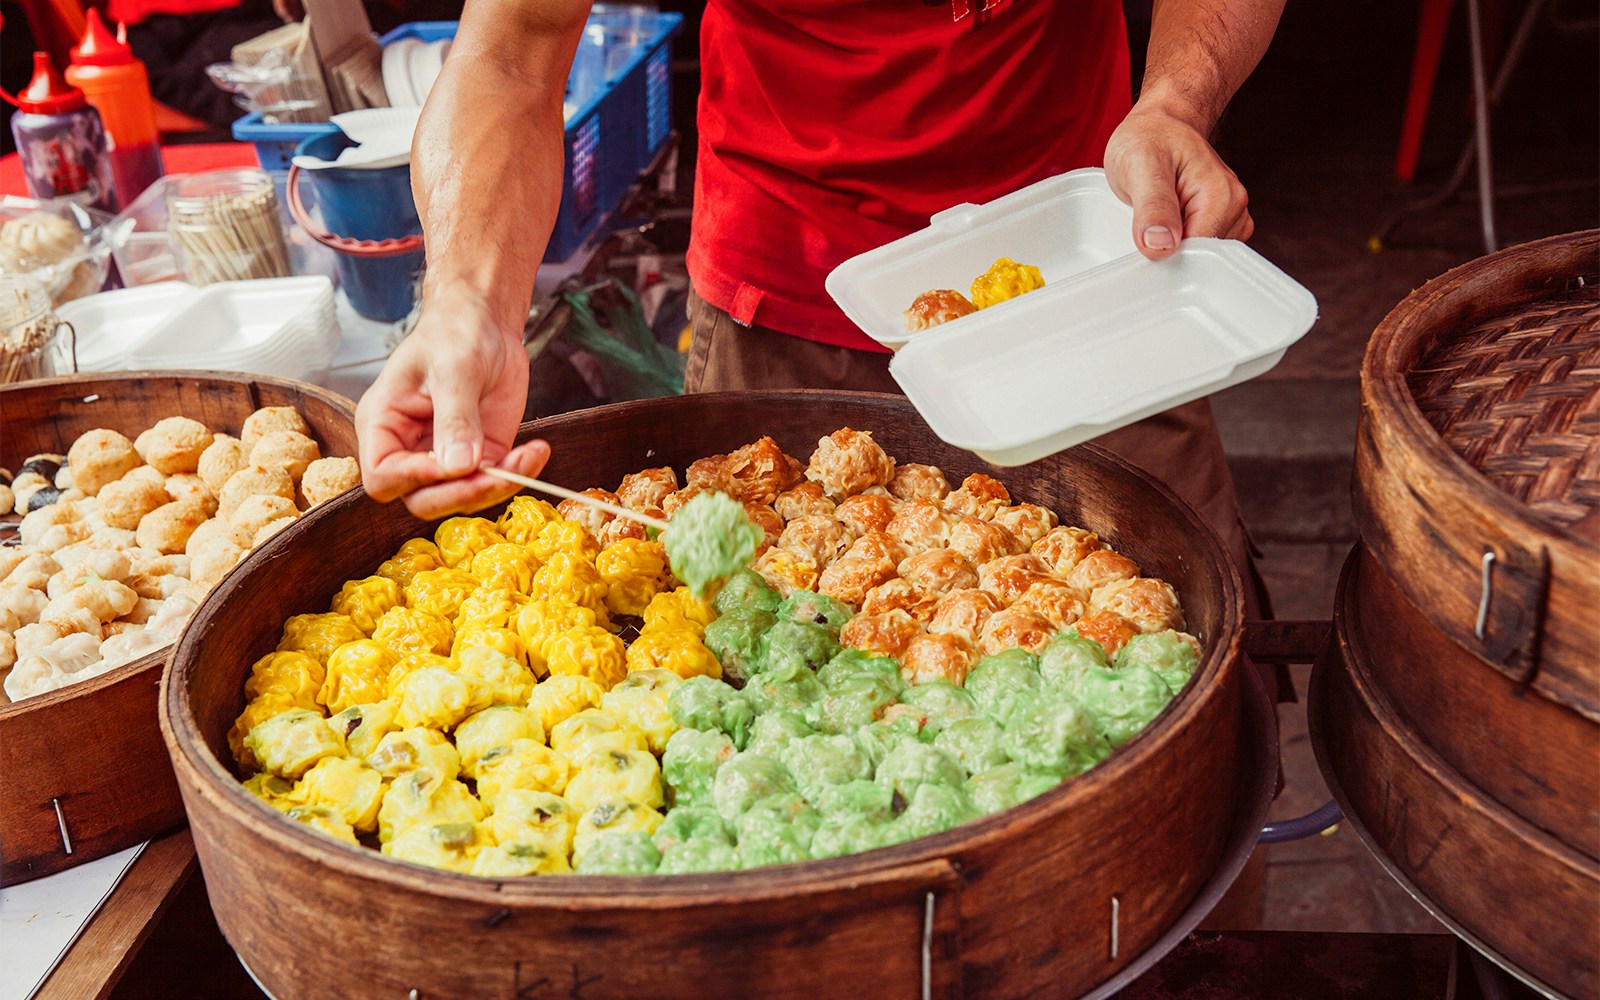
{"points": [[46, 465], [43, 497]]}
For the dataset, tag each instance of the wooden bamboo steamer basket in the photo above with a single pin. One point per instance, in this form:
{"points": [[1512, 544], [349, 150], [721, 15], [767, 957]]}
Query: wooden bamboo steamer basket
{"points": [[1528, 900], [94, 749], [1078, 889]]}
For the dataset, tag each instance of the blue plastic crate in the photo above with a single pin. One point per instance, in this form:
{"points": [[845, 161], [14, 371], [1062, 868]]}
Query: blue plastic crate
{"points": [[613, 134]]}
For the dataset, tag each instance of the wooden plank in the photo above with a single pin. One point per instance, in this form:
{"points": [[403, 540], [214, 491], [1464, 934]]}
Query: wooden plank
{"points": [[94, 963]]}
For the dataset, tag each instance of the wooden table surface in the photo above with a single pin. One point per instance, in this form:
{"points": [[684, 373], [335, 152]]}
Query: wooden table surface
{"points": [[96, 961]]}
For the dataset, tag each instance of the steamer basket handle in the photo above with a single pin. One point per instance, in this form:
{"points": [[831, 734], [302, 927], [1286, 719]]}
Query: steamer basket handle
{"points": [[344, 244], [1320, 820]]}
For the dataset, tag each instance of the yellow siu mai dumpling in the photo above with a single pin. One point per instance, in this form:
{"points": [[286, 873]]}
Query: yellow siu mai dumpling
{"points": [[288, 744], [496, 726], [461, 538], [294, 676], [318, 635], [562, 535], [363, 726], [615, 816], [364, 601], [518, 859], [588, 651], [424, 797], [501, 640], [556, 699], [409, 664], [271, 789], [406, 750], [542, 620], [573, 578], [679, 650], [592, 731], [438, 697], [259, 710], [634, 571], [325, 820], [417, 555], [508, 681], [522, 763], [441, 591], [358, 673], [489, 607], [679, 608], [627, 775], [449, 846], [524, 816], [523, 517], [413, 630], [505, 566], [347, 786], [641, 701]]}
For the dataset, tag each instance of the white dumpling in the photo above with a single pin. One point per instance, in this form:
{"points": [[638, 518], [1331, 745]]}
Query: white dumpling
{"points": [[57, 664], [36, 240]]}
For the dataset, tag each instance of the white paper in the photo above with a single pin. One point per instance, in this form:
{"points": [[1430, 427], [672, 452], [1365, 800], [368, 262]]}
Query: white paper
{"points": [[39, 920]]}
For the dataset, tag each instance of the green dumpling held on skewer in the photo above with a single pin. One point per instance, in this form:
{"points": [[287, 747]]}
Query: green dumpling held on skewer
{"points": [[709, 539]]}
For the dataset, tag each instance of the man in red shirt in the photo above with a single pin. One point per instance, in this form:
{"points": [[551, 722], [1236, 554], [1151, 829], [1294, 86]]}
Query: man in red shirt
{"points": [[827, 127]]}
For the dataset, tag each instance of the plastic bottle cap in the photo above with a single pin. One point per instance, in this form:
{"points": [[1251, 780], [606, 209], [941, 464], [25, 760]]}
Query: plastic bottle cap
{"points": [[47, 93], [99, 47]]}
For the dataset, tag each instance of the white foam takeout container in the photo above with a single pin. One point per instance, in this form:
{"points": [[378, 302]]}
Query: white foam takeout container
{"points": [[1112, 338]]}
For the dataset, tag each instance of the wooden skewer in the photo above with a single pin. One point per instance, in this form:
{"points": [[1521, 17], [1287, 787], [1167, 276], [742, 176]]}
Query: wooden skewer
{"points": [[562, 491]]}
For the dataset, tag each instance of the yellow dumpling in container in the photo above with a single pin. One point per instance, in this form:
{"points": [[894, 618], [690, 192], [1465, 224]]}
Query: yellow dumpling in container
{"points": [[540, 621], [679, 608], [587, 651], [641, 701], [523, 517], [461, 538], [271, 789], [411, 630], [509, 682], [612, 817], [1005, 279], [417, 555], [490, 607], [324, 820], [592, 731], [358, 673], [406, 750], [505, 565], [449, 846], [318, 635], [364, 601], [438, 697], [566, 536], [288, 744], [626, 775], [497, 726], [526, 764], [501, 640], [363, 726], [441, 591], [259, 710], [556, 699], [425, 797], [571, 577], [409, 664], [634, 571], [518, 859], [678, 650], [297, 677], [347, 786], [522, 816]]}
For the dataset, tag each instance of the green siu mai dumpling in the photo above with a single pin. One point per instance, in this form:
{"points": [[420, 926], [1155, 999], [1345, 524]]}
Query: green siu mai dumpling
{"points": [[997, 683], [867, 799], [699, 854], [934, 808], [822, 760], [797, 692], [941, 704], [746, 780], [631, 853], [850, 662], [1068, 654], [690, 762], [1053, 733], [685, 823], [776, 830], [735, 638], [710, 705], [1009, 784], [815, 609], [978, 743], [1170, 654], [1122, 702], [775, 730], [790, 647], [855, 700], [746, 590], [912, 764]]}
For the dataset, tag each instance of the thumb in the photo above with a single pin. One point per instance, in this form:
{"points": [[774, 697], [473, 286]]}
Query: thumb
{"points": [[1157, 215], [457, 430]]}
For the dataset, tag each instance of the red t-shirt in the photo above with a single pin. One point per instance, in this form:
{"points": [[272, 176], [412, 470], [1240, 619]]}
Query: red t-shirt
{"points": [[829, 127]]}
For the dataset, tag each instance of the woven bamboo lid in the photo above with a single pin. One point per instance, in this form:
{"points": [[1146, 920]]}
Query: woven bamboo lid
{"points": [[1518, 397]]}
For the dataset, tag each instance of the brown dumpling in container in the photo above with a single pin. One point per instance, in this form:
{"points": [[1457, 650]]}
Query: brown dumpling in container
{"points": [[935, 306], [174, 445]]}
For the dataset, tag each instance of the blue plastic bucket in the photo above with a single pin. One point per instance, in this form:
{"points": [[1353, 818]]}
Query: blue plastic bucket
{"points": [[365, 205]]}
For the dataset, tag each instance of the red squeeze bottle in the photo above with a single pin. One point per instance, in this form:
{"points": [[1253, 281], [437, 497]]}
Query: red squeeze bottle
{"points": [[117, 85]]}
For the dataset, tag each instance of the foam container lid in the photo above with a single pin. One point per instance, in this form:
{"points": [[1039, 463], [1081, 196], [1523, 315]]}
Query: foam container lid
{"points": [[1112, 338]]}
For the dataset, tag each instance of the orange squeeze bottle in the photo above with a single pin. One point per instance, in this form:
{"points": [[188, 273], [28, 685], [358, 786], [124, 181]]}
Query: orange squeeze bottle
{"points": [[117, 85]]}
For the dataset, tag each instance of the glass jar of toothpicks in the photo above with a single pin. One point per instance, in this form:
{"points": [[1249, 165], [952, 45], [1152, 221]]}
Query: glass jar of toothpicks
{"points": [[225, 226], [34, 341]]}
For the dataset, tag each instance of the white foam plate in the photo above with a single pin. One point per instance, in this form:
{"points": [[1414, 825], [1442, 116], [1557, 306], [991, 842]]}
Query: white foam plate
{"points": [[110, 326], [397, 73], [1102, 349], [280, 326]]}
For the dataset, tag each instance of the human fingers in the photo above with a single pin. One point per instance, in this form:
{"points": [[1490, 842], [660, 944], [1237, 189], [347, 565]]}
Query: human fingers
{"points": [[478, 490], [1216, 203]]}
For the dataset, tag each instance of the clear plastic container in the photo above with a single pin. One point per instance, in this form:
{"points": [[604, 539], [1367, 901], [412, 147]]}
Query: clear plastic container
{"points": [[225, 225], [34, 342]]}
